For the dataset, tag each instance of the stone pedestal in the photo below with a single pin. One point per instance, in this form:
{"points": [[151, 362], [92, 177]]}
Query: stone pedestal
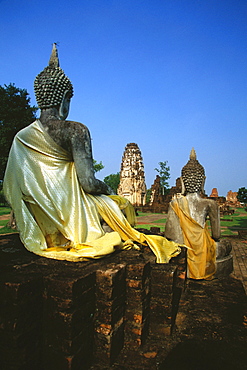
{"points": [[110, 309], [64, 315], [138, 302], [224, 259]]}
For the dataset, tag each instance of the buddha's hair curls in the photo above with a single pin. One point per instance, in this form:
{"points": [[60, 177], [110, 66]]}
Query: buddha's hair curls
{"points": [[193, 174], [51, 84]]}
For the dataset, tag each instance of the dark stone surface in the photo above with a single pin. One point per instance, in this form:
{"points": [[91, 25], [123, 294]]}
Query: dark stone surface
{"points": [[50, 311], [65, 315]]}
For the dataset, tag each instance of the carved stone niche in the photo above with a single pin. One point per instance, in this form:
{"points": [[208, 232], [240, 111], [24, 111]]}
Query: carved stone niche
{"points": [[132, 184]]}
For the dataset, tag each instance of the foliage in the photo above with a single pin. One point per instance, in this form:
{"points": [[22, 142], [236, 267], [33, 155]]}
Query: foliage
{"points": [[164, 173], [15, 113], [3, 201], [5, 229], [242, 195], [97, 166], [113, 181], [148, 195]]}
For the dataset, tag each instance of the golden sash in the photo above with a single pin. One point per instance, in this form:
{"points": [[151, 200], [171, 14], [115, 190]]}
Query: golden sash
{"points": [[201, 253]]}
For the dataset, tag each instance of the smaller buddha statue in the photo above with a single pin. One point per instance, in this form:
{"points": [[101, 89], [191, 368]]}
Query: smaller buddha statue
{"points": [[186, 222]]}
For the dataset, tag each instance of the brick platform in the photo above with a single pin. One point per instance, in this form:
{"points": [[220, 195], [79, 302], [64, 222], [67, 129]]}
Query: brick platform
{"points": [[64, 315], [118, 313]]}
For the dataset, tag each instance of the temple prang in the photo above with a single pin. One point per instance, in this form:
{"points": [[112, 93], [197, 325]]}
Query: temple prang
{"points": [[132, 184]]}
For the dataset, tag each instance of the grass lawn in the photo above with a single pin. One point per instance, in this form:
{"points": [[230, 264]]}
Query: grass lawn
{"points": [[229, 224], [5, 229], [154, 220], [4, 211]]}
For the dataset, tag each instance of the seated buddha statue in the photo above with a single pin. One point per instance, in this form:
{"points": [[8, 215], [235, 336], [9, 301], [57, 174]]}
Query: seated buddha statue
{"points": [[51, 186], [186, 222]]}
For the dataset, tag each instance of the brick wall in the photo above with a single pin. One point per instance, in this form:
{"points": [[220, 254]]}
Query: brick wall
{"points": [[62, 315]]}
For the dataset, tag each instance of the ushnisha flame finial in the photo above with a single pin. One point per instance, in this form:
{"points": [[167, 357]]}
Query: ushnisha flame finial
{"points": [[54, 61], [193, 154]]}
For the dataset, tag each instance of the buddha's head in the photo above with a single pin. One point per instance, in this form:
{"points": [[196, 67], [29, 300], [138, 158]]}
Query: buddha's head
{"points": [[193, 175], [53, 88]]}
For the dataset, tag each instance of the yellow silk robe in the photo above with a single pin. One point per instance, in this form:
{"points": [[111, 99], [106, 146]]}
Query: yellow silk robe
{"points": [[55, 217], [201, 253]]}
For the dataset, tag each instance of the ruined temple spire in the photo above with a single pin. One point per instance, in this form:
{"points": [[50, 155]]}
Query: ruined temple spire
{"points": [[132, 184]]}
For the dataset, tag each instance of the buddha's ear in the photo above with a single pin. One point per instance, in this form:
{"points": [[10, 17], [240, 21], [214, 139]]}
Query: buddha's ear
{"points": [[203, 183], [64, 106], [183, 187]]}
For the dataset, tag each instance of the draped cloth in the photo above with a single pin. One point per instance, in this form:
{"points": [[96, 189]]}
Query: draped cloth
{"points": [[126, 207], [201, 253], [55, 217]]}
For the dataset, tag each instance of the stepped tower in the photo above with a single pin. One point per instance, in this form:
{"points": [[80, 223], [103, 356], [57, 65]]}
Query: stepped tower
{"points": [[132, 177]]}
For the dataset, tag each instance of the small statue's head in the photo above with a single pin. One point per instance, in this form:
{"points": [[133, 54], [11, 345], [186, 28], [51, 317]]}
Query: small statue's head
{"points": [[52, 87], [193, 175]]}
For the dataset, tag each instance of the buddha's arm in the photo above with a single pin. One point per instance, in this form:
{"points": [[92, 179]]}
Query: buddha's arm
{"points": [[82, 155], [214, 217], [173, 229]]}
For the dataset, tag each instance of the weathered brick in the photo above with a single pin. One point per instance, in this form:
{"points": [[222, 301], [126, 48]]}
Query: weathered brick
{"points": [[17, 350], [69, 344], [21, 317], [136, 332], [110, 274], [110, 281], [137, 271], [67, 305], [19, 288], [80, 360], [83, 288], [109, 342], [69, 325], [109, 312]]}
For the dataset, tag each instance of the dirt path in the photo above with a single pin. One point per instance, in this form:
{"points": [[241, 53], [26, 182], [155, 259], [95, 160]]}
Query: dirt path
{"points": [[4, 217], [149, 218]]}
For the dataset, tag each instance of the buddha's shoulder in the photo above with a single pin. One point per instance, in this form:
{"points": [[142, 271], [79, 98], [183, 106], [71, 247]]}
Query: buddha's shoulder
{"points": [[63, 125], [210, 203], [75, 125], [74, 129]]}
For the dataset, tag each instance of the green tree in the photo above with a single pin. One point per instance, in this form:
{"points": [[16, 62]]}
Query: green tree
{"points": [[164, 173], [242, 195], [113, 181], [15, 113], [97, 166], [148, 195]]}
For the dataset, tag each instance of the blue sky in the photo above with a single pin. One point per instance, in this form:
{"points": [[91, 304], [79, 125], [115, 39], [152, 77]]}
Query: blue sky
{"points": [[167, 75]]}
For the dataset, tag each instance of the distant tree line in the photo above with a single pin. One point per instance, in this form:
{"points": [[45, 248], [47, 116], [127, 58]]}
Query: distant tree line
{"points": [[242, 196], [15, 113]]}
